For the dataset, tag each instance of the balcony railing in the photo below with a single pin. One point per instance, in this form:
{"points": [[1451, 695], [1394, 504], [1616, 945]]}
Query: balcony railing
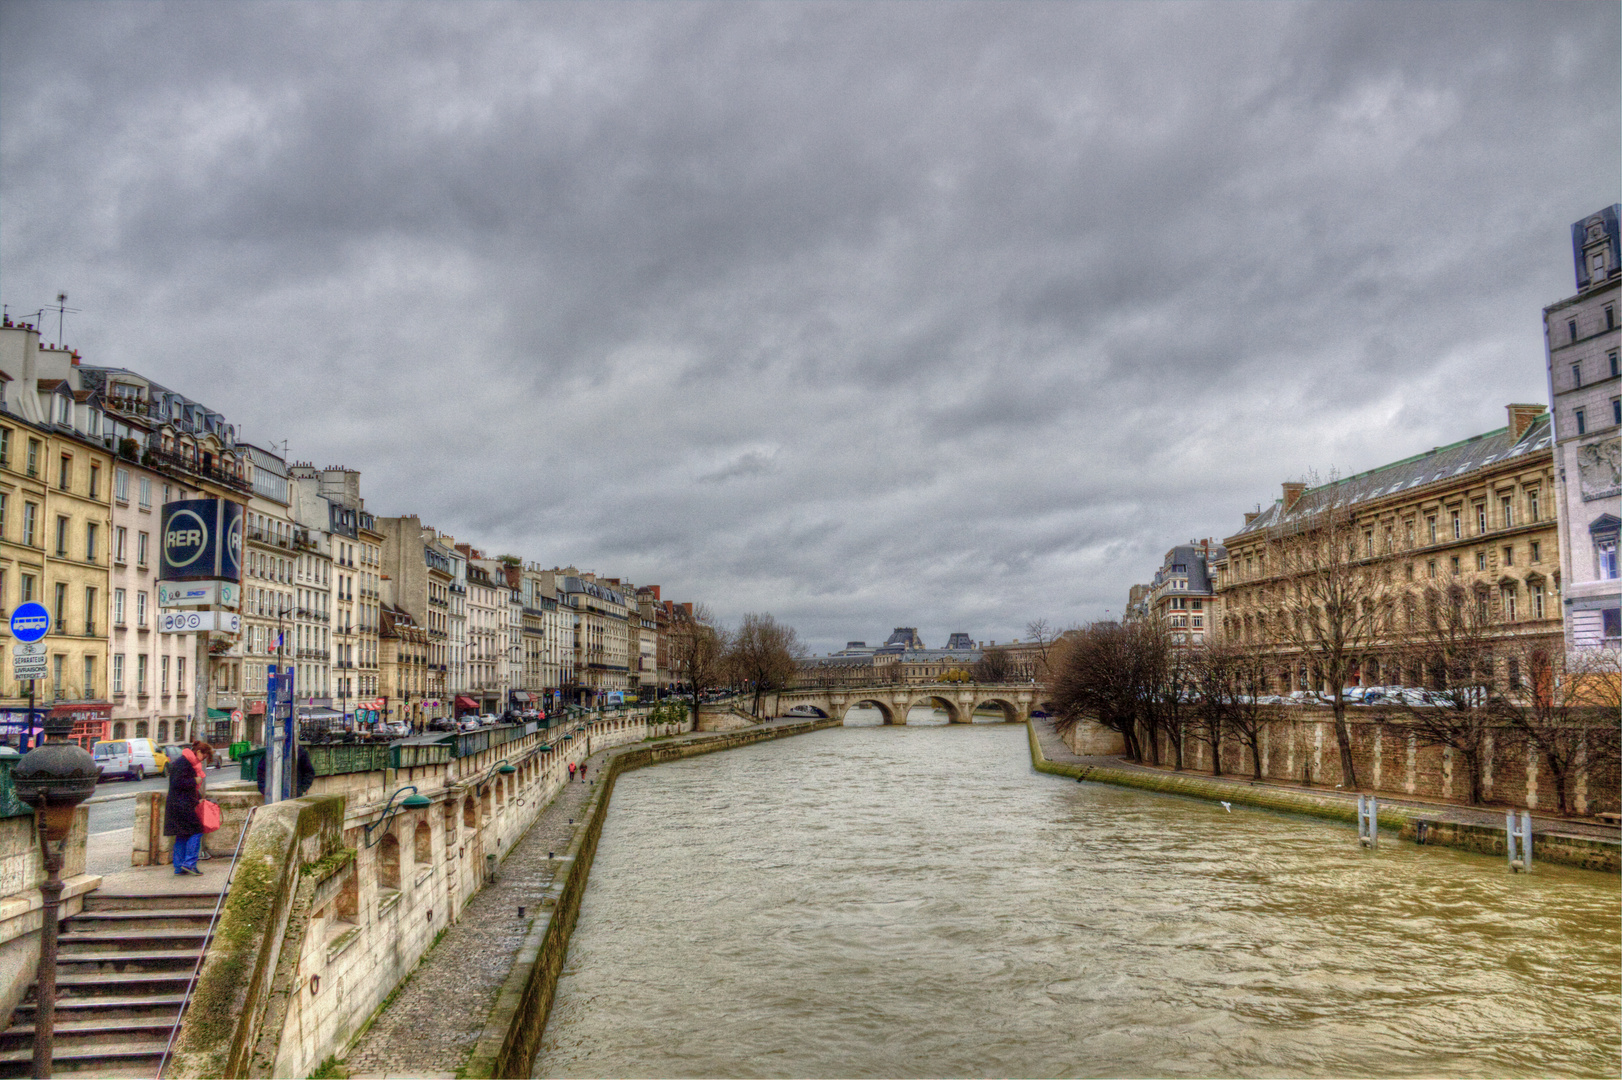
{"points": [[155, 456]]}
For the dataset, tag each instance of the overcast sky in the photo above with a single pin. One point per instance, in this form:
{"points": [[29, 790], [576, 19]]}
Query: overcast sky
{"points": [[944, 315]]}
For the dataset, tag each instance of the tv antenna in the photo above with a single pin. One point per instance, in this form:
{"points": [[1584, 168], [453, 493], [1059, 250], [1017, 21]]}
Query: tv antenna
{"points": [[62, 310]]}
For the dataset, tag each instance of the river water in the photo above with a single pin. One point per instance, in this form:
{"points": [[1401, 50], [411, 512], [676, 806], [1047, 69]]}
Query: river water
{"points": [[917, 901]]}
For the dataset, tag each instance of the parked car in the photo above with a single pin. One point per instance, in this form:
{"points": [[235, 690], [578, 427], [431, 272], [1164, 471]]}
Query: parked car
{"points": [[134, 758], [171, 754]]}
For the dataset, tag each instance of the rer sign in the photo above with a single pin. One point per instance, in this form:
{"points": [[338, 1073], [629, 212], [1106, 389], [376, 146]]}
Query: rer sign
{"points": [[201, 540], [30, 622]]}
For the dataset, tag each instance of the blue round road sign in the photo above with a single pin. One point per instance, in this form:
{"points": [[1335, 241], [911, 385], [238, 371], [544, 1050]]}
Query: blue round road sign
{"points": [[30, 622]]}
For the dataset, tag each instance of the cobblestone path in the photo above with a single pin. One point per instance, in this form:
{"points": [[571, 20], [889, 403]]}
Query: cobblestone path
{"points": [[434, 1022]]}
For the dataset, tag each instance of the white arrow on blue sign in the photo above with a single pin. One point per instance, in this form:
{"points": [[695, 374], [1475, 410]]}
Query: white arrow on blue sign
{"points": [[30, 622]]}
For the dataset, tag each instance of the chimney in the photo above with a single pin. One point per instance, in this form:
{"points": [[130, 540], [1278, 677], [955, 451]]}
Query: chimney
{"points": [[1251, 515], [1292, 493], [1521, 417]]}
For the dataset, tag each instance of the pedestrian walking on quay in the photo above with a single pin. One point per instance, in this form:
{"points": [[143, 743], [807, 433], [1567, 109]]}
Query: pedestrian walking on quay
{"points": [[180, 817], [571, 772], [582, 772]]}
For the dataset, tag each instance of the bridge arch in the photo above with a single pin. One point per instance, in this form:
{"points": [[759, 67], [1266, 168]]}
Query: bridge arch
{"points": [[954, 715], [883, 707], [1011, 712]]}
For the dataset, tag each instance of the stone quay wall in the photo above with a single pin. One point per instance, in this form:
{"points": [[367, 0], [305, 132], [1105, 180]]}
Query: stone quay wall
{"points": [[336, 899], [22, 905], [1298, 746], [1422, 824], [513, 1035]]}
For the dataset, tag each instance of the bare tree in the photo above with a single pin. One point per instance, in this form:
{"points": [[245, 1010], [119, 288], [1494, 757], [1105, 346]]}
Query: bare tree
{"points": [[1170, 667], [1333, 604], [1451, 642], [1566, 710], [1106, 677], [765, 654], [698, 650], [994, 666], [1049, 645], [1232, 677]]}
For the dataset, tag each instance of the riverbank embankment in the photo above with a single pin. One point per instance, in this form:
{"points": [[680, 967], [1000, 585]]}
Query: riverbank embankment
{"points": [[519, 925], [1554, 840]]}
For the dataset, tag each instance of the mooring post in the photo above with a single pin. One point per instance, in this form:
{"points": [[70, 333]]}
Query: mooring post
{"points": [[1510, 837], [1368, 822], [1526, 841]]}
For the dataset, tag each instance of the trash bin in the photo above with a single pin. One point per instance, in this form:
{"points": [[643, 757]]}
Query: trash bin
{"points": [[489, 868], [249, 763]]}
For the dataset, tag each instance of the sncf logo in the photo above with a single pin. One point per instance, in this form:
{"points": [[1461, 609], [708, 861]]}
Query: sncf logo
{"points": [[186, 538]]}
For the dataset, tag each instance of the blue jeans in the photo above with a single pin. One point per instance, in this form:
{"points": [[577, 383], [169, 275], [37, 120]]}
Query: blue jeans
{"points": [[186, 849]]}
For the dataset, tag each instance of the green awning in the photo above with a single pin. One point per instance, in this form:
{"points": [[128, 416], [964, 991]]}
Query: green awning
{"points": [[218, 714]]}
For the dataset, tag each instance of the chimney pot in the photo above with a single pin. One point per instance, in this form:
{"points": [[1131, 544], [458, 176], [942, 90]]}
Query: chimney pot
{"points": [[1293, 490], [1521, 417]]}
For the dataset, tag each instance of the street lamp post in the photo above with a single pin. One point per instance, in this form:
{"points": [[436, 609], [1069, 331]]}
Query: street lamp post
{"points": [[53, 778]]}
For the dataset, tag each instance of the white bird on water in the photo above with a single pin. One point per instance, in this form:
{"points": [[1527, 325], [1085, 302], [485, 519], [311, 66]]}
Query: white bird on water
{"points": [[1228, 807]]}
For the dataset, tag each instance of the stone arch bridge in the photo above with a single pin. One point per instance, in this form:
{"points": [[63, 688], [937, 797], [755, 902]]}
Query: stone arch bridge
{"points": [[959, 700]]}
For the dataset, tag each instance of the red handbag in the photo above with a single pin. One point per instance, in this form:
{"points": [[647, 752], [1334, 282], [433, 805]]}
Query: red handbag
{"points": [[208, 812]]}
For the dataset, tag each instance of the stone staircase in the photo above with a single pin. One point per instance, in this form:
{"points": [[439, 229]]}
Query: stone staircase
{"points": [[121, 974]]}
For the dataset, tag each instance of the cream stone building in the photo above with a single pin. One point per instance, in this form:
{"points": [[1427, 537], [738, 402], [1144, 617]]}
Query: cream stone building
{"points": [[415, 567], [1479, 512], [1583, 336], [601, 635], [402, 666], [486, 622], [312, 644], [55, 521]]}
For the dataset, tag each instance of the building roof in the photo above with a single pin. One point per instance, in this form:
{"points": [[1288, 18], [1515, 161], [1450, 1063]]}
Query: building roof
{"points": [[1444, 464]]}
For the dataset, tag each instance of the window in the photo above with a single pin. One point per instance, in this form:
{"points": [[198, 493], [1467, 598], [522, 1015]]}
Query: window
{"points": [[90, 543], [1571, 329], [118, 673], [1532, 512], [1616, 410], [140, 673], [1611, 622], [140, 549], [1410, 571], [118, 607], [120, 536], [180, 675], [1581, 421], [1481, 518], [146, 493], [1509, 556], [1507, 505], [1576, 376], [25, 589], [1610, 356], [1506, 596], [1537, 551], [95, 478], [163, 675], [1607, 556], [1368, 542], [140, 608], [1610, 315], [61, 536], [1199, 621], [33, 457], [1455, 561], [56, 673], [121, 485], [59, 607], [90, 613], [1458, 525], [1430, 527], [66, 473], [5, 441], [89, 676], [1536, 594], [1481, 560], [4, 498]]}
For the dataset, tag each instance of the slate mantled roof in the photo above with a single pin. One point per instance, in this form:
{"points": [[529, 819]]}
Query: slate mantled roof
{"points": [[1443, 465]]}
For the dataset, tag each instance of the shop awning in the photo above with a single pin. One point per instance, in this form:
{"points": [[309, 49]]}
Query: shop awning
{"points": [[466, 703], [522, 695], [218, 714]]}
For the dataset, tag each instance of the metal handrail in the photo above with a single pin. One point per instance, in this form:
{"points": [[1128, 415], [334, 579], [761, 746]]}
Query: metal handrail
{"points": [[208, 938]]}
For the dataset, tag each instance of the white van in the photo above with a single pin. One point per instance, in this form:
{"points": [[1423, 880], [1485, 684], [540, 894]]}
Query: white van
{"points": [[134, 758]]}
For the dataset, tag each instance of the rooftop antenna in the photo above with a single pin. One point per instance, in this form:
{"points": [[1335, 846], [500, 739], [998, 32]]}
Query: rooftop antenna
{"points": [[61, 311]]}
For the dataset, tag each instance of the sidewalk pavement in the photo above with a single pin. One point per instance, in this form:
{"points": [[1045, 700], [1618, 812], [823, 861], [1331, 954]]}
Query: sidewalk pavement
{"points": [[1057, 751]]}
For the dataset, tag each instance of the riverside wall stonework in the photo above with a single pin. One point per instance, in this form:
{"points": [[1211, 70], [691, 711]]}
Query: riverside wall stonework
{"points": [[1298, 746], [355, 903]]}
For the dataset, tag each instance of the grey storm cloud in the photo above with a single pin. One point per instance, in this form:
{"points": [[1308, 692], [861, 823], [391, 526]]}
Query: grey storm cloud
{"points": [[947, 315]]}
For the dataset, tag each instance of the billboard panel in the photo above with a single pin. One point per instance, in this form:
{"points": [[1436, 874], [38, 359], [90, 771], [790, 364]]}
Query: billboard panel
{"points": [[201, 540]]}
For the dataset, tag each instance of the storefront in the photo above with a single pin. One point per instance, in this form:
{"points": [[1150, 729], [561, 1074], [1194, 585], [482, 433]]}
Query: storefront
{"points": [[465, 705]]}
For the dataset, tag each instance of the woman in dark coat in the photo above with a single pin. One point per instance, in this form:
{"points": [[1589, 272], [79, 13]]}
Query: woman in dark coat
{"points": [[180, 819]]}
